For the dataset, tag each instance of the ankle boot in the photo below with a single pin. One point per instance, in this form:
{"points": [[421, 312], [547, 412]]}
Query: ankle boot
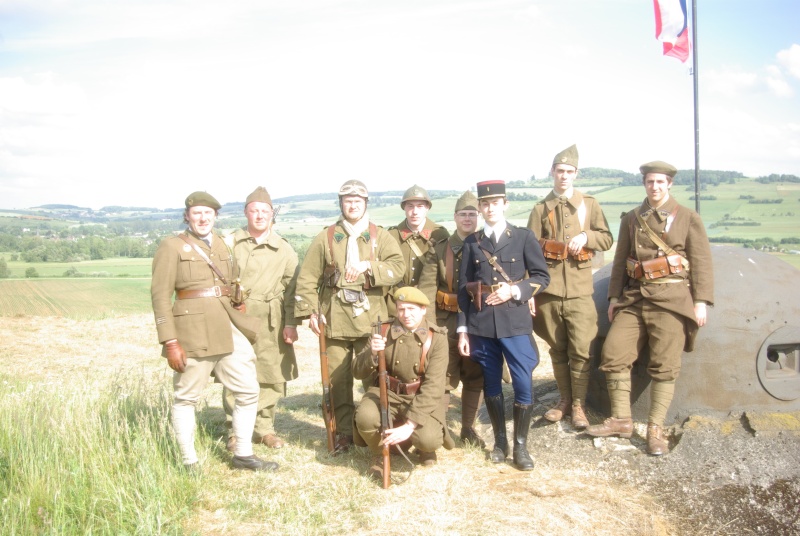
{"points": [[522, 425], [495, 405]]}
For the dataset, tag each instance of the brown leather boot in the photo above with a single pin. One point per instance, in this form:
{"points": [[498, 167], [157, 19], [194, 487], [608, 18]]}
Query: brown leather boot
{"points": [[579, 420], [231, 444], [657, 444], [612, 426], [427, 459], [559, 411], [271, 440], [376, 468]]}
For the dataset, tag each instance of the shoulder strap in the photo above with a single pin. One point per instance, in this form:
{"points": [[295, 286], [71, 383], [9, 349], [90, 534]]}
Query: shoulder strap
{"points": [[493, 261], [653, 236], [373, 240], [204, 257], [425, 347], [449, 261]]}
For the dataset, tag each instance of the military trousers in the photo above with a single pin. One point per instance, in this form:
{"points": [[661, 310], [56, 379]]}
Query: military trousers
{"points": [[426, 438], [237, 372], [640, 324], [269, 394], [522, 357], [340, 369], [462, 369], [568, 325]]}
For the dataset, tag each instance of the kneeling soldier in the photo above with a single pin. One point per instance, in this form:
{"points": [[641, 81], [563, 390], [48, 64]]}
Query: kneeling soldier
{"points": [[416, 361]]}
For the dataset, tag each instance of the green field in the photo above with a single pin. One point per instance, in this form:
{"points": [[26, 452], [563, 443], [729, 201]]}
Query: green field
{"points": [[116, 267], [81, 299]]}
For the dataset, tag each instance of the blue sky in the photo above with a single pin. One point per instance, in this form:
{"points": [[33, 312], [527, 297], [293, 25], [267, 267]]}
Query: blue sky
{"points": [[138, 102]]}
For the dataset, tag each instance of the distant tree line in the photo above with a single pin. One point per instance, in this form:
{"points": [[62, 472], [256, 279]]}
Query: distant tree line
{"points": [[777, 178]]}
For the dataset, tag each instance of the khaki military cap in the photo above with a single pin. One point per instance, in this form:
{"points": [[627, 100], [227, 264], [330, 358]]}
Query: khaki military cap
{"points": [[568, 156], [467, 201], [657, 166], [261, 195], [416, 193], [202, 199], [488, 189], [411, 295]]}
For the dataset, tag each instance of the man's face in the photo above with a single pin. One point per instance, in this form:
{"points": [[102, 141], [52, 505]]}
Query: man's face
{"points": [[201, 220], [466, 221], [657, 186], [416, 213], [353, 208], [493, 209], [563, 177], [259, 216], [410, 314]]}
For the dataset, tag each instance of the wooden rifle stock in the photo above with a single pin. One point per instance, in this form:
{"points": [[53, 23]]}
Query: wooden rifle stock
{"points": [[383, 383], [327, 394]]}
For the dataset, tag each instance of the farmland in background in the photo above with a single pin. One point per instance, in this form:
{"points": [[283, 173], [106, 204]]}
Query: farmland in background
{"points": [[80, 299]]}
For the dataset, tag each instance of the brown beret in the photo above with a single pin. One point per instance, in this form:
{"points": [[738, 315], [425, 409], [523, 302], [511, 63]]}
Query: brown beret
{"points": [[467, 201], [488, 189], [568, 156], [411, 295], [260, 194], [202, 199], [657, 166]]}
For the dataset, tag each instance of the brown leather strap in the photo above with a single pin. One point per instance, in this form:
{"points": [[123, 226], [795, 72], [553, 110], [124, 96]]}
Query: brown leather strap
{"points": [[212, 292], [204, 257], [425, 347], [493, 261], [449, 261], [552, 219]]}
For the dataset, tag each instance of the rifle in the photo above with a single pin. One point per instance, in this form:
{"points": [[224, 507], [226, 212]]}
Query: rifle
{"points": [[327, 394], [383, 383]]}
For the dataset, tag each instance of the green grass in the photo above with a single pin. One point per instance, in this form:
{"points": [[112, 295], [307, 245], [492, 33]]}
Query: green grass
{"points": [[90, 459], [116, 267], [81, 298]]}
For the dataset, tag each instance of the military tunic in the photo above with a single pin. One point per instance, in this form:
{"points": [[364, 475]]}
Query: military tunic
{"points": [[403, 352], [670, 302], [345, 333], [420, 264], [460, 368], [566, 316]]}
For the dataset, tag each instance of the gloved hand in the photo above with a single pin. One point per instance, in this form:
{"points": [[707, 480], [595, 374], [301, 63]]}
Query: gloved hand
{"points": [[176, 357]]}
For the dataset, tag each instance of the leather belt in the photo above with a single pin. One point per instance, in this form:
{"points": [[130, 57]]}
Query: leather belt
{"points": [[401, 388], [488, 289], [213, 292]]}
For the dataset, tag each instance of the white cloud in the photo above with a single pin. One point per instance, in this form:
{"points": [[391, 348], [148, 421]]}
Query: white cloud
{"points": [[790, 60], [728, 82]]}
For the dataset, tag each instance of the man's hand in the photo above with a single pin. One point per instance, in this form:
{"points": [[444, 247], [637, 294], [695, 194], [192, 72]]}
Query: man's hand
{"points": [[377, 343], [463, 344], [576, 244], [612, 311], [289, 334], [352, 273], [700, 314], [501, 295], [316, 320], [393, 436], [176, 357]]}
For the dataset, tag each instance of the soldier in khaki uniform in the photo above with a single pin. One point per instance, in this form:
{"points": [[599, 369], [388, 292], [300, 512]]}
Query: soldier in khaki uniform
{"points": [[341, 286], [460, 369], [570, 226], [268, 270], [416, 362], [201, 331], [661, 283], [417, 235]]}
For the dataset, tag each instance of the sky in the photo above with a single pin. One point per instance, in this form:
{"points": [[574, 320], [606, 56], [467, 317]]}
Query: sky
{"points": [[140, 102]]}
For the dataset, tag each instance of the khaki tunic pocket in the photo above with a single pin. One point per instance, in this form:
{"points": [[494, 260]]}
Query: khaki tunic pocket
{"points": [[190, 323]]}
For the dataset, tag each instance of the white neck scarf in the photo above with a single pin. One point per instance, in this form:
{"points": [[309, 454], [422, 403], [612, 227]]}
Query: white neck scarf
{"points": [[354, 230]]}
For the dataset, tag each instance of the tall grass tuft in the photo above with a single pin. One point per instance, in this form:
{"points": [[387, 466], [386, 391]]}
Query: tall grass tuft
{"points": [[91, 458]]}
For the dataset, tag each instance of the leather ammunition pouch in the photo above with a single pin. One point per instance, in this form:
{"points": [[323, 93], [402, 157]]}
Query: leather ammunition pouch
{"points": [[400, 388], [654, 268], [447, 301], [330, 276], [558, 251], [351, 295]]}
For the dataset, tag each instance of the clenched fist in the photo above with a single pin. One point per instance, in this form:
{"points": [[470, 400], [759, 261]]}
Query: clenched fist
{"points": [[176, 357]]}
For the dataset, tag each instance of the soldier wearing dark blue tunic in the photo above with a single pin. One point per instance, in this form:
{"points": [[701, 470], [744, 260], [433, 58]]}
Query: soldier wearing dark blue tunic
{"points": [[502, 269]]}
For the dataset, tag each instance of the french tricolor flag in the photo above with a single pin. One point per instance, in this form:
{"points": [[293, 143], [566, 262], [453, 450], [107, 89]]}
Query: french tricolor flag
{"points": [[672, 28]]}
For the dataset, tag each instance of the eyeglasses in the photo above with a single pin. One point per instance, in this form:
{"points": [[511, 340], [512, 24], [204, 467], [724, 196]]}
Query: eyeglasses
{"points": [[353, 188]]}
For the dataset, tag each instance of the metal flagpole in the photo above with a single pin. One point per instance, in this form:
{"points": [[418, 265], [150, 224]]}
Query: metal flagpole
{"points": [[696, 111]]}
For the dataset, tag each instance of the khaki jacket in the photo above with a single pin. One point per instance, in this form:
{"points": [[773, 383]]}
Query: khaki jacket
{"points": [[269, 272], [420, 265], [446, 318], [570, 278], [312, 296], [403, 351], [201, 325], [687, 236]]}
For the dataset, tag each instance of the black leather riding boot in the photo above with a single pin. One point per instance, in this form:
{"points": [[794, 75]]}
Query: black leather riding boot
{"points": [[522, 425], [495, 405]]}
